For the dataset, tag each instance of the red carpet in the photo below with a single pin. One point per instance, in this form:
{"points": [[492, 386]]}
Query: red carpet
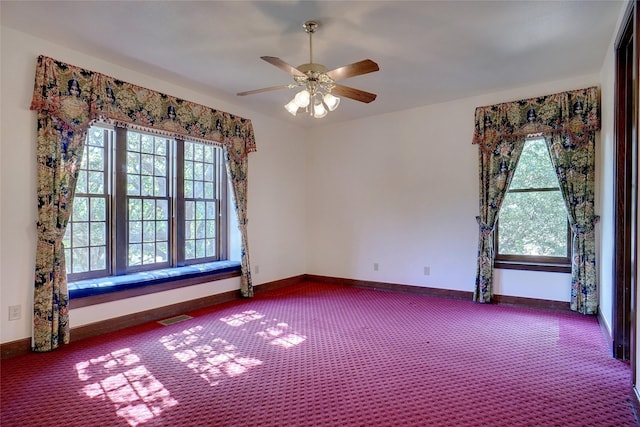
{"points": [[322, 355]]}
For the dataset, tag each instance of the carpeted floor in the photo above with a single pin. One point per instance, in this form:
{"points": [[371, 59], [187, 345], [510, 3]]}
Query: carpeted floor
{"points": [[323, 355]]}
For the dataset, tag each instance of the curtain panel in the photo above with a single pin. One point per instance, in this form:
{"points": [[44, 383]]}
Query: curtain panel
{"points": [[568, 122], [68, 100]]}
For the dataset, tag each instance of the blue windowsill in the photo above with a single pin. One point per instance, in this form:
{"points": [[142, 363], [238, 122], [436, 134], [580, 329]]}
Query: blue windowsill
{"points": [[104, 285]]}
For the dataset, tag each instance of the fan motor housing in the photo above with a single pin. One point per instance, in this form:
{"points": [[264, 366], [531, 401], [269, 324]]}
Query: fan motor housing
{"points": [[313, 68]]}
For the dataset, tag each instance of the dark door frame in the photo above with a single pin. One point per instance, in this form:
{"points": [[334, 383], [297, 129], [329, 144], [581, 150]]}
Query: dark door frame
{"points": [[625, 191]]}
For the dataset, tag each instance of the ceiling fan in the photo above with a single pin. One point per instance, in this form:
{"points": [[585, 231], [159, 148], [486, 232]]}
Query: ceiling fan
{"points": [[318, 83]]}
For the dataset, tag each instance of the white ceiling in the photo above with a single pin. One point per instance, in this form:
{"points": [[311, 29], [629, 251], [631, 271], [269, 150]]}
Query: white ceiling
{"points": [[428, 51]]}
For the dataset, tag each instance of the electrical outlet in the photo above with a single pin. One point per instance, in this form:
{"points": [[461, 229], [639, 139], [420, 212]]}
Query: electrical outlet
{"points": [[15, 312], [375, 266], [257, 269], [427, 270]]}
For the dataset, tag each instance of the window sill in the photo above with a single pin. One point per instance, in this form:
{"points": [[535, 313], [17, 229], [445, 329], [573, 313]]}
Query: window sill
{"points": [[83, 293], [519, 265]]}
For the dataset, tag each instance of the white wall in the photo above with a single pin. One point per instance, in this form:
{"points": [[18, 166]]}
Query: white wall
{"points": [[277, 226], [401, 190], [605, 181]]}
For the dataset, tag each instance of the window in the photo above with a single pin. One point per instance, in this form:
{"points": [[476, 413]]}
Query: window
{"points": [[533, 229], [145, 203]]}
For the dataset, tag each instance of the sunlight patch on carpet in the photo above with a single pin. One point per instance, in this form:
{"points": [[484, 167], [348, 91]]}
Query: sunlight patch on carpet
{"points": [[212, 358], [281, 335], [242, 318], [137, 396]]}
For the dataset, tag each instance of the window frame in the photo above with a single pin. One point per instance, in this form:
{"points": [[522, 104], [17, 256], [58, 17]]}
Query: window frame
{"points": [[532, 262], [117, 225]]}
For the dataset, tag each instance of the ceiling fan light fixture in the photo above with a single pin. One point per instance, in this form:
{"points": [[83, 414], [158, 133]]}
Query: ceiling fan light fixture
{"points": [[318, 109], [331, 101], [316, 82], [302, 98], [292, 107]]}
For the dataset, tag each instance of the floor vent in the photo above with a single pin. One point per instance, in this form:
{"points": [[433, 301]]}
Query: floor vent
{"points": [[175, 319]]}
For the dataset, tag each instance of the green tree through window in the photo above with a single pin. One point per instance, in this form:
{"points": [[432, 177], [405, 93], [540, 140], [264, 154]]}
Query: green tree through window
{"points": [[533, 226]]}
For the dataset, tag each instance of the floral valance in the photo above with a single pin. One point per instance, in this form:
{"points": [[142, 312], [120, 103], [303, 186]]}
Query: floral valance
{"points": [[575, 113], [77, 97]]}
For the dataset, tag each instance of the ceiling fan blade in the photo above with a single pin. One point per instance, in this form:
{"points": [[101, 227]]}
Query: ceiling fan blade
{"points": [[356, 94], [283, 65], [266, 89], [351, 70]]}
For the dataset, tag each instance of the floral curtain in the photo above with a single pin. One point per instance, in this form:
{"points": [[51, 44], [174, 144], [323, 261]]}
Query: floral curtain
{"points": [[68, 99], [568, 121], [575, 168], [496, 171], [237, 172]]}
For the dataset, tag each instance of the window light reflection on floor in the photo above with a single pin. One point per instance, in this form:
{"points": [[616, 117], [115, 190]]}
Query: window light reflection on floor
{"points": [[242, 318], [119, 376], [212, 358], [280, 335]]}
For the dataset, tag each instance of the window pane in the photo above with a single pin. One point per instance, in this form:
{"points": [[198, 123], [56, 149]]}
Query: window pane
{"points": [[162, 232], [162, 252], [80, 259], [98, 258], [146, 143], [198, 190], [146, 185], [80, 209], [209, 154], [98, 209], [211, 210], [135, 254], [190, 230], [98, 234], [148, 209], [211, 247], [80, 234], [189, 210], [95, 160], [188, 170], [160, 187], [133, 185], [133, 141], [148, 253], [135, 209], [135, 231], [188, 189], [149, 231], [81, 183], [162, 209], [200, 229], [133, 162], [96, 182], [189, 249], [96, 135], [209, 190], [533, 223], [146, 165], [198, 171], [211, 229], [160, 166], [534, 169], [200, 249]]}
